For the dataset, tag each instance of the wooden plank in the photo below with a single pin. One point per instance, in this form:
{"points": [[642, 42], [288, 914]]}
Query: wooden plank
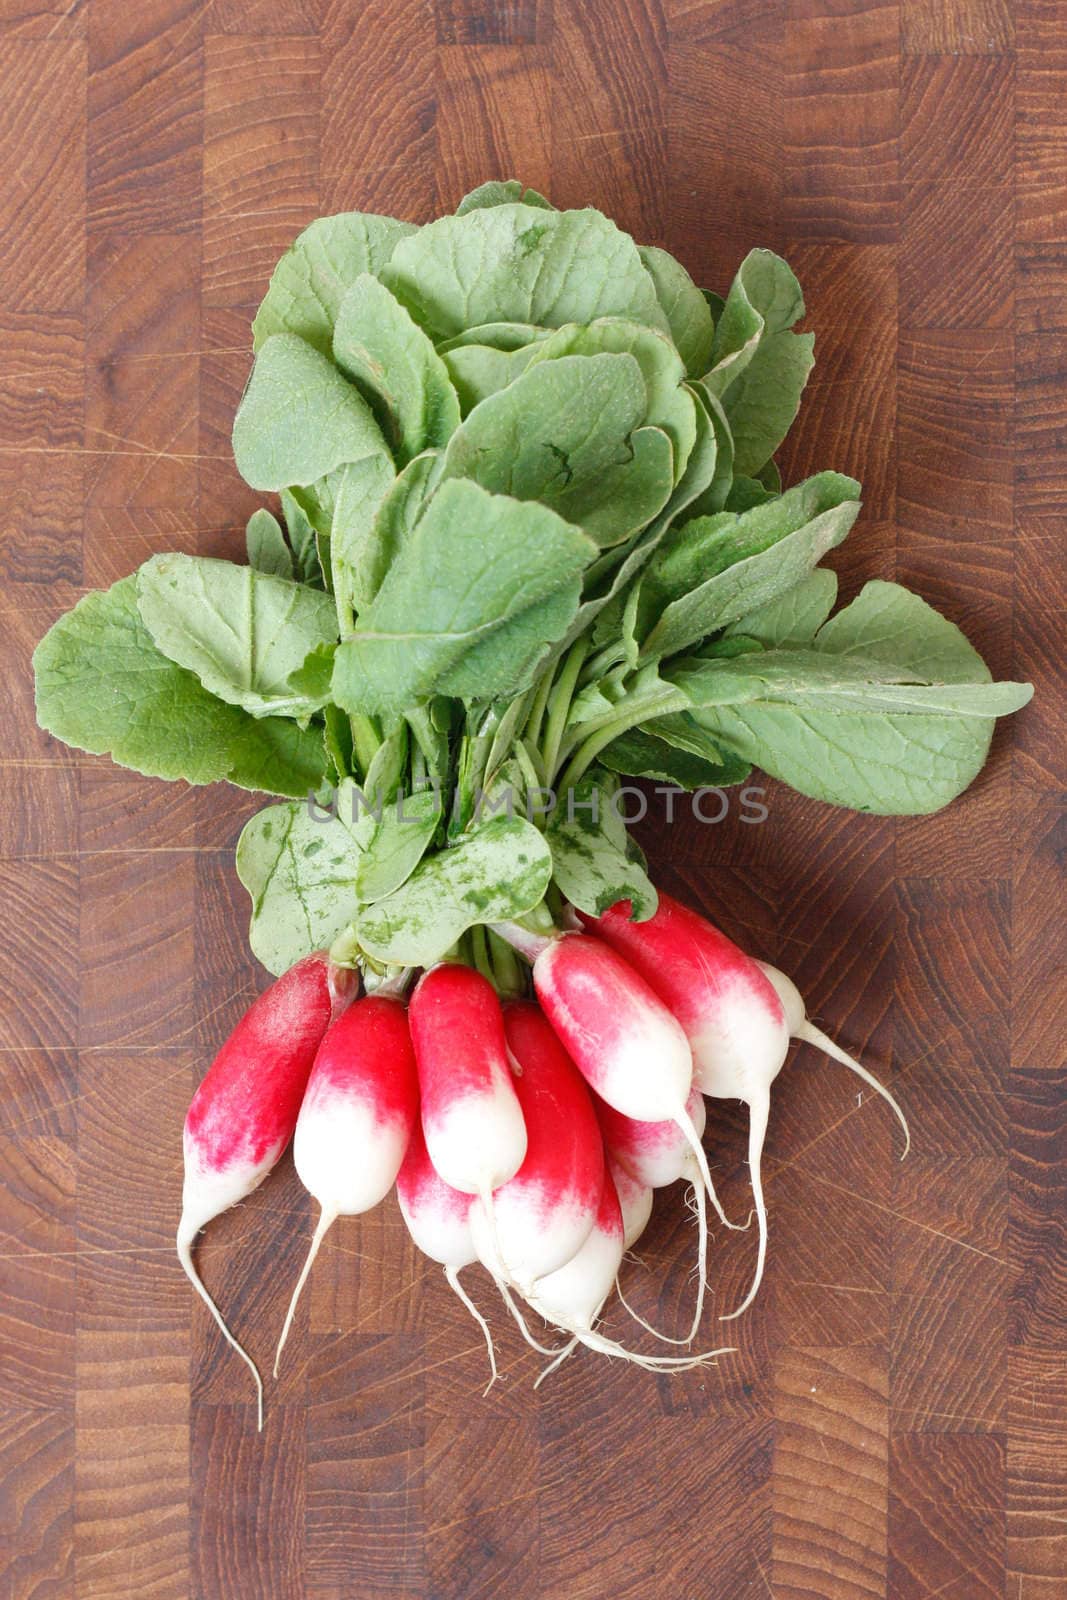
{"points": [[42, 126], [143, 338], [950, 1281], [145, 116], [729, 57], [956, 266], [247, 1504], [848, 412], [1037, 1245], [946, 1522], [831, 1481], [608, 108], [37, 1499], [957, 27], [844, 179], [261, 159], [494, 118], [1041, 151], [479, 22], [892, 1422], [365, 1448], [1036, 1477], [31, 1014], [378, 108], [137, 969]]}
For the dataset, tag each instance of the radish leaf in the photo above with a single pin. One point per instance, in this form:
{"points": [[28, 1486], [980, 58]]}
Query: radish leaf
{"points": [[510, 263], [307, 874], [103, 686], [495, 874], [390, 359], [889, 710], [669, 403], [474, 595], [299, 418], [241, 631], [568, 433], [714, 569], [267, 549], [501, 193], [687, 311], [594, 861], [311, 279]]}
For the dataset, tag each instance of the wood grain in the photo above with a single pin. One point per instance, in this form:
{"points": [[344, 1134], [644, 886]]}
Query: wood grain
{"points": [[893, 1424]]}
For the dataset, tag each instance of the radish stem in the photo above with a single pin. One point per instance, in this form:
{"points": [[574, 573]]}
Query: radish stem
{"points": [[559, 704]]}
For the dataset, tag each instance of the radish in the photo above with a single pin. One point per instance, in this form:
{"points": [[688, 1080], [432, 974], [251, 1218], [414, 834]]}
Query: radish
{"points": [[471, 1115], [729, 1010], [244, 1112], [361, 1103], [620, 1035], [438, 1219], [733, 1014], [572, 1297], [657, 1154], [542, 1216], [635, 1202]]}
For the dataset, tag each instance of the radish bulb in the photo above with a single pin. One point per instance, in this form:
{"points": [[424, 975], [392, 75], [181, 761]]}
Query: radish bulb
{"points": [[245, 1110], [733, 1014], [355, 1123], [542, 1216], [438, 1219], [800, 1028], [471, 1116], [622, 1038], [657, 1154], [572, 1297], [635, 1202]]}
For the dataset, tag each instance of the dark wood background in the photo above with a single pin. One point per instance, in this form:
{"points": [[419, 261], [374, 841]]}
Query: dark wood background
{"points": [[895, 1422]]}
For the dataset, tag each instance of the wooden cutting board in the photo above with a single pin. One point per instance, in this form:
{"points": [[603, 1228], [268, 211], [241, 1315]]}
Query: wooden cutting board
{"points": [[894, 1422]]}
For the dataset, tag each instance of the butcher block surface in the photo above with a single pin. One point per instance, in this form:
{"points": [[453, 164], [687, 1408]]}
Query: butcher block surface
{"points": [[893, 1424]]}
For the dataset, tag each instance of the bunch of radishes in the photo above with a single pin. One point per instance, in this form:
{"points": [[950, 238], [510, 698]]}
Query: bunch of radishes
{"points": [[526, 1137]]}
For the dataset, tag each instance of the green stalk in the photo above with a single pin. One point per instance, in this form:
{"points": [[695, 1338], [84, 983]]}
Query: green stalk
{"points": [[365, 740], [529, 764], [600, 665], [508, 970], [480, 952], [599, 734], [426, 737], [559, 705], [532, 730]]}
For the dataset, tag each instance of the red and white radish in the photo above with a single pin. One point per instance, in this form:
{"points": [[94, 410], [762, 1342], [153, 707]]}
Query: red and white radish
{"points": [[542, 1216], [356, 1119], [729, 1010], [471, 1116], [635, 1202], [658, 1154], [622, 1038], [572, 1297], [438, 1220], [244, 1112], [733, 1015]]}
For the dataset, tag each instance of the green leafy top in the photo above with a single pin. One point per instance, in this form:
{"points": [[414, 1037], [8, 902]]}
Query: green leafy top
{"points": [[533, 537]]}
